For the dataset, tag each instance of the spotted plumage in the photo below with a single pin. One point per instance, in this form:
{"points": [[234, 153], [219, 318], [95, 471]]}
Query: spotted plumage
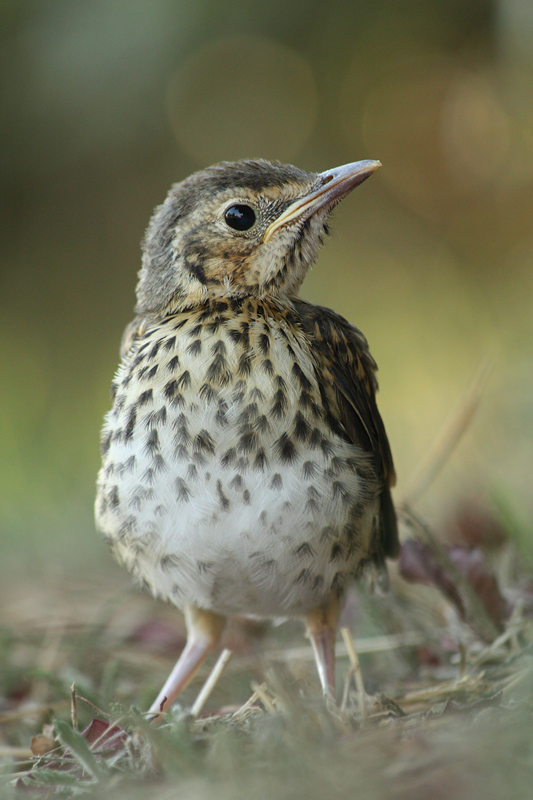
{"points": [[245, 467]]}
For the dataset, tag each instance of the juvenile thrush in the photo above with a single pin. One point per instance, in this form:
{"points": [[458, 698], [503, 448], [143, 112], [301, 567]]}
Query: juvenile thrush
{"points": [[246, 469]]}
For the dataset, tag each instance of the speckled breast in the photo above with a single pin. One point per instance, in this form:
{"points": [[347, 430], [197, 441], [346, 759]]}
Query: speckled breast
{"points": [[221, 483]]}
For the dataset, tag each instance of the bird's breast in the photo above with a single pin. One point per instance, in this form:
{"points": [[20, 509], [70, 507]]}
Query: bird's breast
{"points": [[222, 482]]}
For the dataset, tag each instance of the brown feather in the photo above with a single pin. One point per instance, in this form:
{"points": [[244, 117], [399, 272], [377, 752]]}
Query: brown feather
{"points": [[346, 373]]}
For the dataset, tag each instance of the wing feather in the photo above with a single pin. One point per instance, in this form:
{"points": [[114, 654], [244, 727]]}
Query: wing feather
{"points": [[348, 382]]}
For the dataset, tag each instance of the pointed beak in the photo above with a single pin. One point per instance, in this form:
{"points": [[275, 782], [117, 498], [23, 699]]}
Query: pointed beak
{"points": [[334, 184]]}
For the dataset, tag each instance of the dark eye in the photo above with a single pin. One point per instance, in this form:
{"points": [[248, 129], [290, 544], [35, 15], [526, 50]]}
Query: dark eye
{"points": [[240, 217]]}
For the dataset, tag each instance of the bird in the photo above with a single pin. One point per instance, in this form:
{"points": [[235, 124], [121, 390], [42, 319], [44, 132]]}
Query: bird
{"points": [[246, 471]]}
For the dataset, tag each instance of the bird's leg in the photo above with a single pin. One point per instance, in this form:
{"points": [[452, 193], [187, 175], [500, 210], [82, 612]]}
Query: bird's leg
{"points": [[321, 627], [204, 629]]}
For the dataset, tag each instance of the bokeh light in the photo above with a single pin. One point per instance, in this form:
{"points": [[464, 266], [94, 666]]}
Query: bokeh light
{"points": [[240, 98]]}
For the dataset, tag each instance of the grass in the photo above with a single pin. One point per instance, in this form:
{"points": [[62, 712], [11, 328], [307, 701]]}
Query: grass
{"points": [[429, 710]]}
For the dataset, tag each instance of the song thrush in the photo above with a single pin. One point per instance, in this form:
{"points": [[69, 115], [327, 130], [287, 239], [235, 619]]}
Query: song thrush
{"points": [[246, 469]]}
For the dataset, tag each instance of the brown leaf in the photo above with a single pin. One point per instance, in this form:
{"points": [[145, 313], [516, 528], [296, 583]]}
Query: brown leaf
{"points": [[108, 737], [472, 565], [42, 743], [418, 564]]}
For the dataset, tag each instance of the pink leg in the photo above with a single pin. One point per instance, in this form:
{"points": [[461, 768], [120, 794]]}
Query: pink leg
{"points": [[321, 627], [204, 629]]}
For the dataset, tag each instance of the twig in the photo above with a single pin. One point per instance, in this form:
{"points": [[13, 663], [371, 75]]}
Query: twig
{"points": [[211, 682]]}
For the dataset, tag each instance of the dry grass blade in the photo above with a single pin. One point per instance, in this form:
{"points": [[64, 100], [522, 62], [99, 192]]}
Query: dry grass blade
{"points": [[211, 682], [261, 691], [470, 685], [355, 669], [371, 644], [254, 697], [46, 661], [6, 751], [73, 707], [451, 434], [517, 679], [508, 640], [29, 712], [93, 707]]}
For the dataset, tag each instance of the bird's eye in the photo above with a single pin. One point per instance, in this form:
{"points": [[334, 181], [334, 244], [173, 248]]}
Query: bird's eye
{"points": [[240, 217]]}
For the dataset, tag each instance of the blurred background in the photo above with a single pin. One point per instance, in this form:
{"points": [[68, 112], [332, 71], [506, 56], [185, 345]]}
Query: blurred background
{"points": [[106, 103]]}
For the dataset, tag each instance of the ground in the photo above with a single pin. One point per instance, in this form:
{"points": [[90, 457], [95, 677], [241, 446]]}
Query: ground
{"points": [[434, 697]]}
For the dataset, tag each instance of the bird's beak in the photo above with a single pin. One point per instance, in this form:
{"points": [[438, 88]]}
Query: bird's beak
{"points": [[334, 184]]}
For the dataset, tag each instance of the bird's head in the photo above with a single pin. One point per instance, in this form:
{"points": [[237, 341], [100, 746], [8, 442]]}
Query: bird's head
{"points": [[238, 229]]}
